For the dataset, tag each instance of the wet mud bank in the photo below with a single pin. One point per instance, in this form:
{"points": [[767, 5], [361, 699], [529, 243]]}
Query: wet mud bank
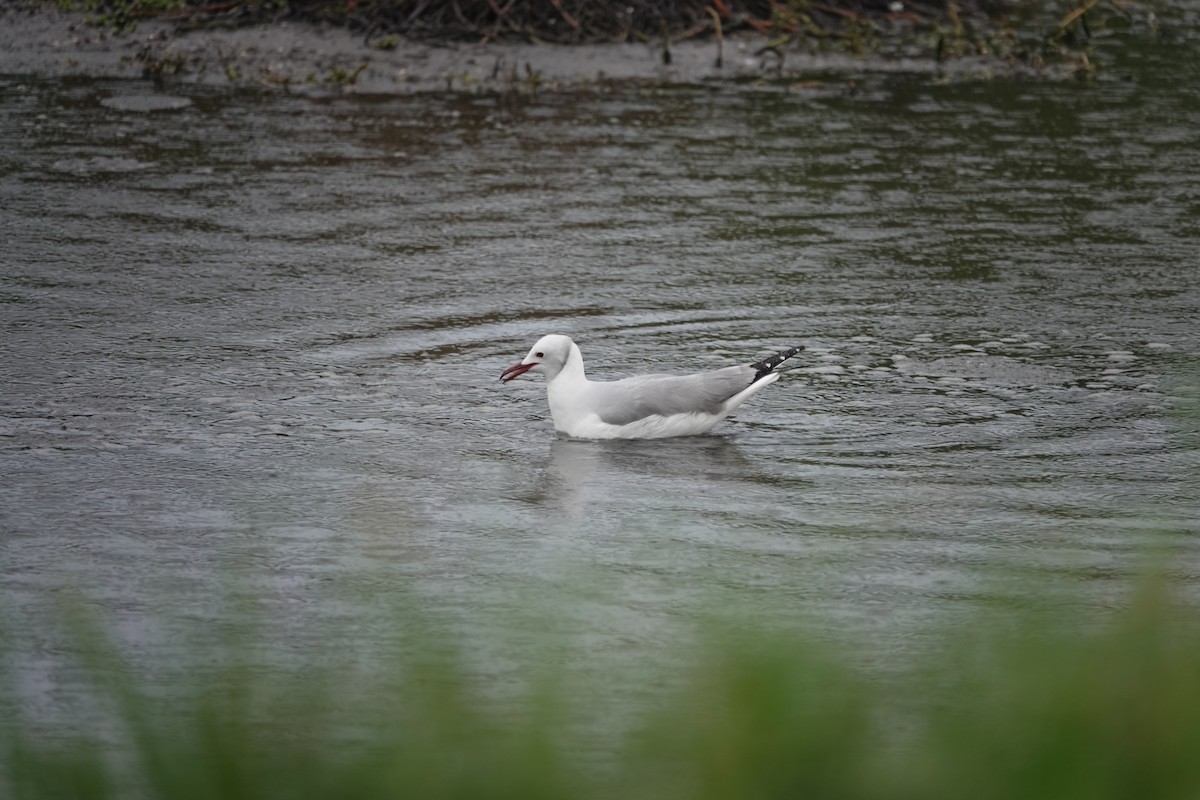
{"points": [[48, 42]]}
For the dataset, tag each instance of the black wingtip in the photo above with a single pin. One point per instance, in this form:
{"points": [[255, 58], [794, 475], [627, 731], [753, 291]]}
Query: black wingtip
{"points": [[768, 365]]}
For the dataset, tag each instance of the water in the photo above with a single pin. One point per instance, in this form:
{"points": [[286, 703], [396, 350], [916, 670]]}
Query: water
{"points": [[251, 344]]}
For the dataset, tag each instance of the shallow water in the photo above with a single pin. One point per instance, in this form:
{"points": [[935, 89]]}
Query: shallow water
{"points": [[251, 344]]}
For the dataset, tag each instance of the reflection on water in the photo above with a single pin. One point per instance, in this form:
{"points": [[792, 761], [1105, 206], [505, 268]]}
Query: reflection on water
{"points": [[583, 478], [251, 344]]}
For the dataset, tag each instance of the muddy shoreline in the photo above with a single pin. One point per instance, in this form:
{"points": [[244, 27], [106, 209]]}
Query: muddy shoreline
{"points": [[47, 42]]}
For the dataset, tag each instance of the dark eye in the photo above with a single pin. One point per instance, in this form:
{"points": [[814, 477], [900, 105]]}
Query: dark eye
{"points": [[540, 355]]}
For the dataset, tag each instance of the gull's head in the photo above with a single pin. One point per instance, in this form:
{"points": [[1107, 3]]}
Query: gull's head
{"points": [[548, 357]]}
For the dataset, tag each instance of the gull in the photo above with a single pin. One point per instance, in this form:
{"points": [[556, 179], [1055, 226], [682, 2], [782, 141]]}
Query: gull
{"points": [[642, 407]]}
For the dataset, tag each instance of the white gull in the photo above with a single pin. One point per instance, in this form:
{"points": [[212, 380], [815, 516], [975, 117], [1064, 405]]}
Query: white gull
{"points": [[642, 407]]}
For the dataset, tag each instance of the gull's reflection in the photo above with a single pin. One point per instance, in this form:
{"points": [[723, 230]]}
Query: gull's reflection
{"points": [[580, 472]]}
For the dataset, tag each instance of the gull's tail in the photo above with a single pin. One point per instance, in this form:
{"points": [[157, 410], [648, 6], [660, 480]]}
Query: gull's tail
{"points": [[767, 365]]}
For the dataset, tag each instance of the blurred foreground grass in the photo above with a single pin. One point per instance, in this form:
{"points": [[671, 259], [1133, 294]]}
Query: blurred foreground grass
{"points": [[1023, 707]]}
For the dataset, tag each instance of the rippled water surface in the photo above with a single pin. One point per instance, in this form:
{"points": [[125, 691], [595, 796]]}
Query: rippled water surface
{"points": [[251, 344]]}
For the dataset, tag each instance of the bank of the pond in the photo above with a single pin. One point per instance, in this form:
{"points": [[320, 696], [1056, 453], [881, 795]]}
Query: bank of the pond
{"points": [[1031, 707], [47, 41]]}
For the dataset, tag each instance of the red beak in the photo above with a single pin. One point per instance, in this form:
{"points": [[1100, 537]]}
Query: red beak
{"points": [[516, 371]]}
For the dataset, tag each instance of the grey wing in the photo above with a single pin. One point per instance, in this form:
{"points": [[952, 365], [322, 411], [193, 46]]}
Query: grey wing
{"points": [[631, 399]]}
